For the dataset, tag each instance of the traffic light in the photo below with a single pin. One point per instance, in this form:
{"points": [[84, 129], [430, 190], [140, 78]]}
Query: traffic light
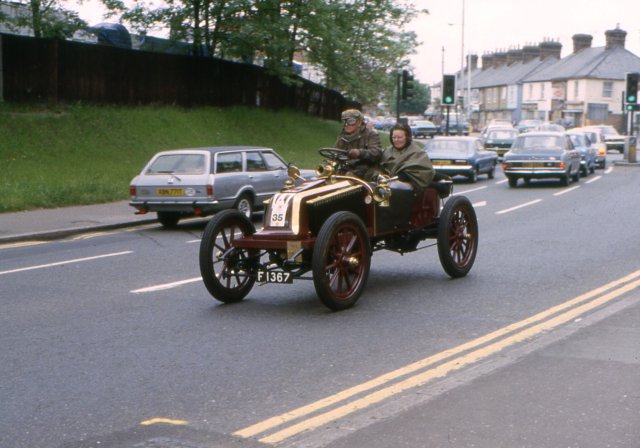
{"points": [[407, 85], [632, 88], [632, 107], [448, 89]]}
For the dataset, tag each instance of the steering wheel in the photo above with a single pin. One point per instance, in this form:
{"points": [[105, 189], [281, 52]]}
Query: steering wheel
{"points": [[339, 155]]}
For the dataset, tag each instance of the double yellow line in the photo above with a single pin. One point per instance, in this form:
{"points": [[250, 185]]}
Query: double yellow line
{"points": [[298, 420]]}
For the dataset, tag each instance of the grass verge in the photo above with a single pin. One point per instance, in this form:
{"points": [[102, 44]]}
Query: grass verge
{"points": [[81, 154]]}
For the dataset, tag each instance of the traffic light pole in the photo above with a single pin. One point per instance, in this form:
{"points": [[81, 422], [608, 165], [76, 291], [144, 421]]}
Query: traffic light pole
{"points": [[446, 129]]}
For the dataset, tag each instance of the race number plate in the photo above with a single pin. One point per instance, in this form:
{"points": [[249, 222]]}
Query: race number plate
{"points": [[278, 209], [274, 276]]}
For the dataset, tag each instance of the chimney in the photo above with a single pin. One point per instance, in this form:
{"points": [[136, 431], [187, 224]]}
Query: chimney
{"points": [[615, 38], [550, 48], [472, 60], [499, 58], [530, 52], [514, 56], [487, 61], [581, 41]]}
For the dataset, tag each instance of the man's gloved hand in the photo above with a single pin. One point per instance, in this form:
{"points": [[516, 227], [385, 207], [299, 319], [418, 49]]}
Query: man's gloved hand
{"points": [[354, 153]]}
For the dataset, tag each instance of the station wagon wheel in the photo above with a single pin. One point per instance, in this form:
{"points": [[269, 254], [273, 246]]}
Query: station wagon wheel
{"points": [[225, 270], [244, 205], [341, 260], [168, 219], [457, 236]]}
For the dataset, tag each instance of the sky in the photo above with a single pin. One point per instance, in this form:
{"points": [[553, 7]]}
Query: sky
{"points": [[489, 26]]}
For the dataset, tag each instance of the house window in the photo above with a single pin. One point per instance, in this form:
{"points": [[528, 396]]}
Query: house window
{"points": [[607, 89]]}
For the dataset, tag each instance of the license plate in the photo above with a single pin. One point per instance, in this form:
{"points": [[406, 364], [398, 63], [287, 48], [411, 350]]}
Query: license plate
{"points": [[274, 276], [441, 162], [170, 191]]}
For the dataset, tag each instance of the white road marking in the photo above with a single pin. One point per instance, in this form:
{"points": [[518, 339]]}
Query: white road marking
{"points": [[567, 190], [469, 191], [608, 170], [593, 180], [60, 263], [480, 204], [166, 285], [526, 204], [501, 181]]}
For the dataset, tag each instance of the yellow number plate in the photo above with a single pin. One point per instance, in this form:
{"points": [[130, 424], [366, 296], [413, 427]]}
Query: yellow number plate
{"points": [[170, 192], [441, 162]]}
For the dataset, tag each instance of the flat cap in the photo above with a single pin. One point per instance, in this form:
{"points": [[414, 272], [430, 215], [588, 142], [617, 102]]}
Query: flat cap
{"points": [[352, 113]]}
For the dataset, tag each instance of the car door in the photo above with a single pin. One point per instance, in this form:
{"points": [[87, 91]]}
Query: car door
{"points": [[230, 178], [573, 154], [483, 157], [265, 179], [277, 167]]}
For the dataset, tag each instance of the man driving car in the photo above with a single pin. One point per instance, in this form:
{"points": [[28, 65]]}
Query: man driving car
{"points": [[361, 142]]}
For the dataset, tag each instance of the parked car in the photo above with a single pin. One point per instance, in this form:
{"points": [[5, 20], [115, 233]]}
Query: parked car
{"points": [[423, 128], [528, 125], [597, 141], [612, 138], [327, 230], [203, 181], [542, 155], [463, 156], [500, 139], [587, 151]]}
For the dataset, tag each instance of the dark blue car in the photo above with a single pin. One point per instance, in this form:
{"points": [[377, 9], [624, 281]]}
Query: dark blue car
{"points": [[464, 156]]}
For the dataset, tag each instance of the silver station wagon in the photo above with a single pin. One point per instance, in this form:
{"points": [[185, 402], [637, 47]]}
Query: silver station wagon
{"points": [[203, 181]]}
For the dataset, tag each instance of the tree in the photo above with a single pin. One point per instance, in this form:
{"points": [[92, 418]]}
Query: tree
{"points": [[45, 18], [358, 44], [418, 103]]}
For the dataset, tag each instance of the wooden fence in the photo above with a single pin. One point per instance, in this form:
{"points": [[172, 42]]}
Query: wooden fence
{"points": [[47, 70]]}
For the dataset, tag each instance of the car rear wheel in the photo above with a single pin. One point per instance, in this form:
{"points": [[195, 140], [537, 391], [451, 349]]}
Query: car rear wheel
{"points": [[244, 205], [457, 236], [226, 270], [565, 179], [513, 181], [584, 171], [492, 172], [576, 175], [473, 176], [169, 219], [341, 260]]}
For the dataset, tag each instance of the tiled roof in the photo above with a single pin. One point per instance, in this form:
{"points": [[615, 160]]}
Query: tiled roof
{"points": [[509, 74], [598, 63]]}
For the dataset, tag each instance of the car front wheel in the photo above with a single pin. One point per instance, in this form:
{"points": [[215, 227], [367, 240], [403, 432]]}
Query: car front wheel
{"points": [[244, 205], [225, 269], [341, 260]]}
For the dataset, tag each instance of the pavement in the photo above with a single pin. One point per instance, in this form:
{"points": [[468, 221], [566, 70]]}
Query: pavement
{"points": [[47, 224]]}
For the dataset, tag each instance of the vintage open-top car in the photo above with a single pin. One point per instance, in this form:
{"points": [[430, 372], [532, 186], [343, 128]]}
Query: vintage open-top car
{"points": [[330, 227]]}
